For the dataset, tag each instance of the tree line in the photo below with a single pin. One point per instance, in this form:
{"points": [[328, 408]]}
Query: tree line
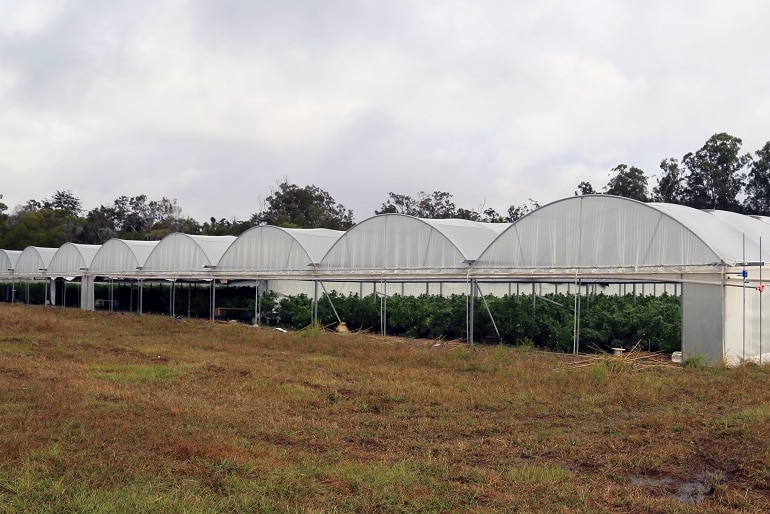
{"points": [[717, 176], [53, 221]]}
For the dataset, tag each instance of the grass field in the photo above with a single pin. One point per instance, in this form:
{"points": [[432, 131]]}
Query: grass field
{"points": [[121, 413]]}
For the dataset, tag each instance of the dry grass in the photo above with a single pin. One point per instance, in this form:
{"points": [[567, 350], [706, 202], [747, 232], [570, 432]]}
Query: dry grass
{"points": [[116, 413]]}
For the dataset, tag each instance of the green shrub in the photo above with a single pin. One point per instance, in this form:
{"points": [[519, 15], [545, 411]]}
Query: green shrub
{"points": [[694, 361], [606, 321]]}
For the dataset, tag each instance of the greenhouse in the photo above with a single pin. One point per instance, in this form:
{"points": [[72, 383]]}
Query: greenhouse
{"points": [[8, 259], [121, 257], [585, 245], [406, 255], [272, 256], [30, 265], [115, 259], [71, 257], [185, 256], [33, 262]]}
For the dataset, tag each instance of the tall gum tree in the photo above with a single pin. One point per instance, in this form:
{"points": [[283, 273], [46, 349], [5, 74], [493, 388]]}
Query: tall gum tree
{"points": [[585, 188], [758, 183], [436, 205], [713, 175], [669, 188], [628, 182], [292, 206]]}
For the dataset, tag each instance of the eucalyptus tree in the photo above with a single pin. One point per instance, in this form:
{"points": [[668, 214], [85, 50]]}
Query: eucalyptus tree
{"points": [[669, 188], [714, 174], [585, 188], [628, 182], [436, 205], [516, 212], [758, 183], [65, 202], [303, 207]]}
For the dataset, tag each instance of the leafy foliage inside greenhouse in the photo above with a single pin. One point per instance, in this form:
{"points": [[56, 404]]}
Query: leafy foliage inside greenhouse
{"points": [[647, 322]]}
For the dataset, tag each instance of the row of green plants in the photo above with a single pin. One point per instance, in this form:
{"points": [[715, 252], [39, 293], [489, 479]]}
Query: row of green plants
{"points": [[606, 321]]}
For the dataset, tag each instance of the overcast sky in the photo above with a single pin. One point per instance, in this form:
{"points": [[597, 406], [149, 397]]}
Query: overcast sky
{"points": [[212, 102]]}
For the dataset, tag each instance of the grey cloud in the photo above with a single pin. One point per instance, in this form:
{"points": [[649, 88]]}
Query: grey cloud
{"points": [[492, 101], [56, 66]]}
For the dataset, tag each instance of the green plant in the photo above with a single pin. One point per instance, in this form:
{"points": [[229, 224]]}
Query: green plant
{"points": [[525, 345], [694, 361], [312, 330]]}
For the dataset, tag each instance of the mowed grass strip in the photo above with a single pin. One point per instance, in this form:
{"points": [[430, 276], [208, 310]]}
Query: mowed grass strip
{"points": [[112, 413]]}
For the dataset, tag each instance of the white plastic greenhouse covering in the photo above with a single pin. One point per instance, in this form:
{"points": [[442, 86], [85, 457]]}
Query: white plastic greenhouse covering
{"points": [[121, 257], [114, 259], [33, 261], [715, 258], [180, 255], [8, 259], [279, 250], [395, 244], [603, 235], [71, 260], [275, 254]]}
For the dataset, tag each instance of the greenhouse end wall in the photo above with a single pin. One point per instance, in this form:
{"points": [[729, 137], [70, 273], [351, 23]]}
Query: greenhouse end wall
{"points": [[747, 336], [702, 323]]}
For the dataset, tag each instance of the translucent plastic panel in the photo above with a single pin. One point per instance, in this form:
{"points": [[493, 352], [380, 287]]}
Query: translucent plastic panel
{"points": [[393, 242], [589, 232], [71, 259], [757, 232], [184, 253], [34, 259], [276, 249], [121, 256], [315, 241], [213, 246], [263, 248], [8, 260], [470, 237], [726, 239]]}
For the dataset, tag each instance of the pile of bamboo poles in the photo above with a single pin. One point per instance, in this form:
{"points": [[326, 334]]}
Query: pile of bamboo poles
{"points": [[627, 360]]}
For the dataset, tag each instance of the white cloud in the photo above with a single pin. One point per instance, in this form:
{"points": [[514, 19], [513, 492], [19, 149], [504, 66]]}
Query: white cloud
{"points": [[495, 102], [28, 17]]}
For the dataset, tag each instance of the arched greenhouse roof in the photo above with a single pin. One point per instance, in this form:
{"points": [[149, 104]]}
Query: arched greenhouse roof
{"points": [[595, 234], [396, 242], [184, 254], [756, 231], [720, 230], [8, 259], [269, 248], [121, 256], [34, 261], [602, 232], [71, 260]]}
